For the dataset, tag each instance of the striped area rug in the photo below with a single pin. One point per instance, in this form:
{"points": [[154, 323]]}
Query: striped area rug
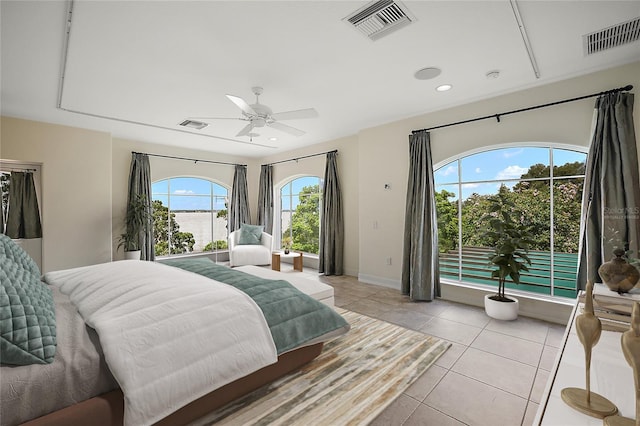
{"points": [[352, 381]]}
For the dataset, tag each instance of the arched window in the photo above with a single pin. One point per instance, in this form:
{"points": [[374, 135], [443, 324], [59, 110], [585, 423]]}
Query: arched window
{"points": [[299, 224], [545, 185], [189, 216]]}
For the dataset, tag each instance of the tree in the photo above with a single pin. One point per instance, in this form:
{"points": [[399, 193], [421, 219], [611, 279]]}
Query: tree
{"points": [[165, 224], [473, 209], [219, 245], [305, 221], [447, 220]]}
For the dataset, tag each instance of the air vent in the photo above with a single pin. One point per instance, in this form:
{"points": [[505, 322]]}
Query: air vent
{"points": [[198, 125], [379, 18], [614, 36]]}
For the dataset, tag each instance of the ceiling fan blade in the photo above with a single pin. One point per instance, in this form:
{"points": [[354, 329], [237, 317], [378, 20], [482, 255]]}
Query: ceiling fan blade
{"points": [[242, 104], [245, 130], [287, 129], [293, 115]]}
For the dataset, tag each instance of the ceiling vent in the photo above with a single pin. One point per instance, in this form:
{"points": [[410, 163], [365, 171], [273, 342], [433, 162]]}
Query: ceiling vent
{"points": [[614, 36], [192, 124], [380, 18]]}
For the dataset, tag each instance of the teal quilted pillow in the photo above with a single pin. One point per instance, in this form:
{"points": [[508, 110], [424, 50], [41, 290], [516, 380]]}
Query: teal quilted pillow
{"points": [[12, 251], [250, 234], [27, 315]]}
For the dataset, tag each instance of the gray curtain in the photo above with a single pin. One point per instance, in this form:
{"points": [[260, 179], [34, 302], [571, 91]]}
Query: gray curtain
{"points": [[420, 271], [332, 221], [265, 199], [1, 217], [23, 216], [239, 207], [611, 196], [140, 185]]}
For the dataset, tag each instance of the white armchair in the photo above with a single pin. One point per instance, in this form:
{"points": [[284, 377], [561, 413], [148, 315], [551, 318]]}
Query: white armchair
{"points": [[250, 254]]}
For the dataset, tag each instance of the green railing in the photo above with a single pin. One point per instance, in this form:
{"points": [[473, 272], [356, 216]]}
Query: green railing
{"points": [[476, 269]]}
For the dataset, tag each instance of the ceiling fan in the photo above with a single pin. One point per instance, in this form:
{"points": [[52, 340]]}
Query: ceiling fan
{"points": [[259, 115]]}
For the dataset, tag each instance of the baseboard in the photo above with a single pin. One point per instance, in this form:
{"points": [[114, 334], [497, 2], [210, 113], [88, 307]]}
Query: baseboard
{"points": [[384, 282]]}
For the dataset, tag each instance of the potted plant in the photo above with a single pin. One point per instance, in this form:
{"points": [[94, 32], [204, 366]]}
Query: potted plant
{"points": [[510, 241], [137, 222], [286, 244]]}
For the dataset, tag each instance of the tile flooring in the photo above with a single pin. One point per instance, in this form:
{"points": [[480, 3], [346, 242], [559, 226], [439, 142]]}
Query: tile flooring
{"points": [[493, 374]]}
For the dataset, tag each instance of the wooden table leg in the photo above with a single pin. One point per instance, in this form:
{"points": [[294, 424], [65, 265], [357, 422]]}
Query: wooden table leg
{"points": [[275, 261], [297, 263]]}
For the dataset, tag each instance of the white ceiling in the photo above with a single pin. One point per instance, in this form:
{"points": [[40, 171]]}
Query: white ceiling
{"points": [[149, 65]]}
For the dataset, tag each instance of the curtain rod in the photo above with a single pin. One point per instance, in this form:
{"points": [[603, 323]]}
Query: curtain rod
{"points": [[195, 160], [11, 169], [300, 158], [497, 116]]}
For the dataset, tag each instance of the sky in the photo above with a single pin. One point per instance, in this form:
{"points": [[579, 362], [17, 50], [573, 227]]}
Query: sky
{"points": [[189, 193], [498, 165]]}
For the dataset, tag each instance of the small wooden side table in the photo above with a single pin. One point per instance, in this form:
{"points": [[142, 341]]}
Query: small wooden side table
{"points": [[276, 256]]}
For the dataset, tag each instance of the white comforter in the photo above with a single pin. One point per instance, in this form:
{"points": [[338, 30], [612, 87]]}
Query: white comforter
{"points": [[169, 336]]}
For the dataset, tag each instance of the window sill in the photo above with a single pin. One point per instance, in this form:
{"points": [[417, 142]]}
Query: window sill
{"points": [[546, 308]]}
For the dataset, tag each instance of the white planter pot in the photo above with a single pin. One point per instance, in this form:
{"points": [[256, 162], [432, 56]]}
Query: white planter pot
{"points": [[132, 255], [505, 311]]}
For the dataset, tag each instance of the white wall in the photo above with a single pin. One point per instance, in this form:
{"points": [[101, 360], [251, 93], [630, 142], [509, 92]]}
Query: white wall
{"points": [[76, 188]]}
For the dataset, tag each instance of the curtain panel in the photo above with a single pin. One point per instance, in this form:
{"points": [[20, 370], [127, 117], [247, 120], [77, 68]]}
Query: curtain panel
{"points": [[23, 215], [420, 271], [611, 195], [239, 207], [265, 199], [332, 221], [140, 187]]}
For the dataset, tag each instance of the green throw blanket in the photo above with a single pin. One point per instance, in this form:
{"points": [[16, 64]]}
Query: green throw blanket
{"points": [[293, 317]]}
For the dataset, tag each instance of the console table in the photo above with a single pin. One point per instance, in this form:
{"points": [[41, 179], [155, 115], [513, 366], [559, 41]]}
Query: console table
{"points": [[276, 256], [611, 377]]}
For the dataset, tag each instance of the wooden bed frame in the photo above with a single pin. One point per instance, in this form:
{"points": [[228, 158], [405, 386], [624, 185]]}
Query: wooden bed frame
{"points": [[108, 409]]}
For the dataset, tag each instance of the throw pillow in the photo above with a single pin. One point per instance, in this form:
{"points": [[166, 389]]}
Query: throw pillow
{"points": [[27, 312], [11, 250], [250, 234]]}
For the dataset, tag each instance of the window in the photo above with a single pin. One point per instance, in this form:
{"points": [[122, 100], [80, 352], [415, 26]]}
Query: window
{"points": [[545, 186], [300, 203], [189, 216]]}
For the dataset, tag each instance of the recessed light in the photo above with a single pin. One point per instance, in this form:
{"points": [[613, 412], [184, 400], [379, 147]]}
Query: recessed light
{"points": [[493, 74], [444, 88], [273, 139], [427, 73]]}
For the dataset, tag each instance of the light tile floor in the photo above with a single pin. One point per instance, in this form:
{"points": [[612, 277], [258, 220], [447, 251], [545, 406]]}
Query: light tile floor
{"points": [[494, 373]]}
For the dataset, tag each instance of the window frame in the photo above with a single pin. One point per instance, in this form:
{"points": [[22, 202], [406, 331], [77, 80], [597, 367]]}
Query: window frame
{"points": [[551, 179], [212, 196], [277, 206]]}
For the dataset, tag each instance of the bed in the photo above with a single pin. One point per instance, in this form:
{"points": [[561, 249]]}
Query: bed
{"points": [[155, 343]]}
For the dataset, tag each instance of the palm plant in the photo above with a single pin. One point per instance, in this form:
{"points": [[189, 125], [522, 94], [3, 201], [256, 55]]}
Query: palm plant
{"points": [[137, 222], [510, 241]]}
